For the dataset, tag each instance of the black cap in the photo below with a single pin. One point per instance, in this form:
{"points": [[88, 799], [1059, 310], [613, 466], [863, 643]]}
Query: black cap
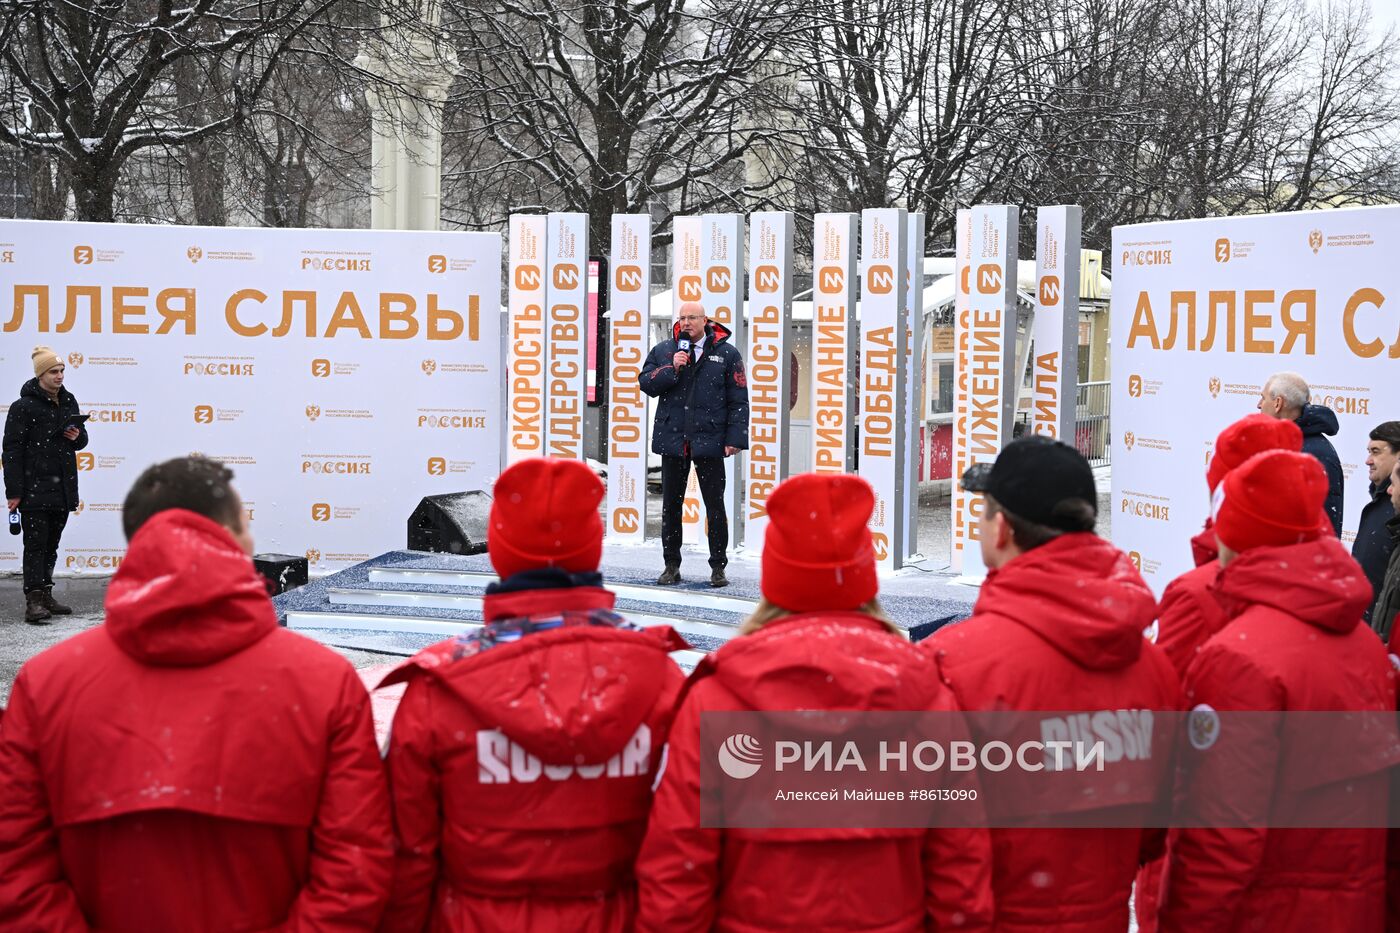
{"points": [[1031, 476]]}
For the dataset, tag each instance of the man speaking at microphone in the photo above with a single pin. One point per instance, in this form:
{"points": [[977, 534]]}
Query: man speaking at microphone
{"points": [[702, 417]]}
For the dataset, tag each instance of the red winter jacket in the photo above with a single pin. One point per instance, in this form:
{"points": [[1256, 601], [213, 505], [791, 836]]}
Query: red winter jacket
{"points": [[189, 765], [1190, 613], [1187, 617], [746, 881], [1060, 628], [1295, 642], [521, 773]]}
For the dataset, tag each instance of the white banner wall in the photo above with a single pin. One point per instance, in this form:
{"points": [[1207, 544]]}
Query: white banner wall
{"points": [[833, 342], [883, 257], [769, 372], [341, 374], [914, 380], [1204, 311], [722, 254], [629, 303], [688, 284], [1055, 333], [566, 297], [965, 556], [525, 354]]}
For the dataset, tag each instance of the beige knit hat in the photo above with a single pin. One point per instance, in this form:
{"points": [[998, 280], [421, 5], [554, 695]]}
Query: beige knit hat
{"points": [[44, 360]]}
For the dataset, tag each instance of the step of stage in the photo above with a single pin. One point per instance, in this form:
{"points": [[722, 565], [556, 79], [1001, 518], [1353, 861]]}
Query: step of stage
{"points": [[402, 601]]}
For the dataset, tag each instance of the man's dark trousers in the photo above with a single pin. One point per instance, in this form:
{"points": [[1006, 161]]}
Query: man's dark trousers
{"points": [[675, 474], [42, 530]]}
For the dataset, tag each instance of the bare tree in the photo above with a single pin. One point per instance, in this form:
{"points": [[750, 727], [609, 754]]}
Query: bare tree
{"points": [[90, 83], [606, 107]]}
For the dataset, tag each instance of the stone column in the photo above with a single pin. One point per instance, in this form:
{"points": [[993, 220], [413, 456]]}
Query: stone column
{"points": [[406, 108]]}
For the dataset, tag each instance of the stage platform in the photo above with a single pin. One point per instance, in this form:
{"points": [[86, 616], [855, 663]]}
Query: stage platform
{"points": [[402, 601]]}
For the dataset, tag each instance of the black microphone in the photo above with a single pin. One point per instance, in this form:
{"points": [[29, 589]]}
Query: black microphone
{"points": [[683, 345]]}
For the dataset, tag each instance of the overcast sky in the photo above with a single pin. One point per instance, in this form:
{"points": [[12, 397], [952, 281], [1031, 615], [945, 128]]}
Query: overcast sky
{"points": [[1385, 13]]}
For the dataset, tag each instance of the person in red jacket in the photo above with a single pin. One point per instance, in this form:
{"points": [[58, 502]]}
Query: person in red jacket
{"points": [[817, 641], [1059, 626], [189, 765], [1189, 614], [522, 755], [1295, 642]]}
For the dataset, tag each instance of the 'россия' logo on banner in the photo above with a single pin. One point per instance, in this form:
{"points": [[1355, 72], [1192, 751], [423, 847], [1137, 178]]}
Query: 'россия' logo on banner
{"points": [[1214, 386], [429, 367], [740, 756]]}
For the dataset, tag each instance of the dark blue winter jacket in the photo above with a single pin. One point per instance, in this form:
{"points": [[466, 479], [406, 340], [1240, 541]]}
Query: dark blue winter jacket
{"points": [[1316, 422], [1373, 542], [704, 407]]}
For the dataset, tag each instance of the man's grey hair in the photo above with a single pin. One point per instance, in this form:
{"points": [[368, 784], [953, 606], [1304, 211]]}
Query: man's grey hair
{"points": [[1290, 387]]}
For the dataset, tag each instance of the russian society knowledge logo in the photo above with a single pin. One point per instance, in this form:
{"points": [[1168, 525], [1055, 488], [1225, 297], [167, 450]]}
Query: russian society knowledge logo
{"points": [[740, 756]]}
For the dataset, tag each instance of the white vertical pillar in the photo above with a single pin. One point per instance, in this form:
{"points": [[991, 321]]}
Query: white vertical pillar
{"points": [[629, 303], [913, 384], [1055, 334], [526, 350], [991, 334], [566, 298], [769, 369], [687, 284], [832, 367], [964, 555], [722, 294], [883, 251]]}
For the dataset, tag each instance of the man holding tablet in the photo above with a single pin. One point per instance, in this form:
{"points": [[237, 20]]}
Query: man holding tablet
{"points": [[43, 433]]}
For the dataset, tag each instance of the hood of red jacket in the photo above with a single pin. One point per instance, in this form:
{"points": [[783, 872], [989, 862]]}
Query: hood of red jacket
{"points": [[714, 331], [1204, 547], [570, 695], [826, 660], [186, 594], [1079, 593], [1317, 582]]}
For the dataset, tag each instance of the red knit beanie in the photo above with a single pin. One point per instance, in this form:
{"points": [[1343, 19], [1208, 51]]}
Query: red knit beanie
{"points": [[1273, 499], [1245, 438], [817, 552], [544, 513]]}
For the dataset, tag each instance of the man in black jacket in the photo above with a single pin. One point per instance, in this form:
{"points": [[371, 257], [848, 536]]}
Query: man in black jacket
{"points": [[42, 435], [1387, 605], [1286, 396], [1374, 543], [701, 418]]}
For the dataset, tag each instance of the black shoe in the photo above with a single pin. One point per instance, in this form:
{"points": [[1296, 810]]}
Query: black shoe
{"points": [[35, 613], [669, 577], [717, 577], [54, 606]]}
